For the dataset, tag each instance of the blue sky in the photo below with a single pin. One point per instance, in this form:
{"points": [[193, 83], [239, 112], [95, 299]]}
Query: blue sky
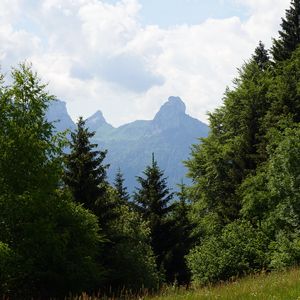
{"points": [[126, 57], [166, 13]]}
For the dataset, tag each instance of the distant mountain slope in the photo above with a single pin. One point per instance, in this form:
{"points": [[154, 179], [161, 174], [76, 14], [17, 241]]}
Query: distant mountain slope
{"points": [[169, 135], [58, 114]]}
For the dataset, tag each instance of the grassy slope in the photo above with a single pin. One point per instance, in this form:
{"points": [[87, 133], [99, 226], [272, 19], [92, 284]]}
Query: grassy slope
{"points": [[275, 286], [284, 285]]}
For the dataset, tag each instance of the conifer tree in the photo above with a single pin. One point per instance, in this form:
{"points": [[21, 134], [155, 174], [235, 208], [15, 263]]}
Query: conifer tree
{"points": [[85, 173], [181, 238], [289, 35], [153, 201], [120, 188], [261, 56]]}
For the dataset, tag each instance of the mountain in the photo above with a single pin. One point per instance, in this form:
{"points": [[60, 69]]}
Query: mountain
{"points": [[58, 114], [98, 124], [169, 136]]}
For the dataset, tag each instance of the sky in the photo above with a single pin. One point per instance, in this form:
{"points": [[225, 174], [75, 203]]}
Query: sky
{"points": [[126, 57]]}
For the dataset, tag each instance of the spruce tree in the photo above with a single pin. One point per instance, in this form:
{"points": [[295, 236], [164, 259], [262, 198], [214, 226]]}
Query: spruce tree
{"points": [[177, 270], [153, 201], [289, 35], [261, 56], [120, 188], [85, 174]]}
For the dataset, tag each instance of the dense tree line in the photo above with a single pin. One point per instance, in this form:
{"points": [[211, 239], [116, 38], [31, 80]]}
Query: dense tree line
{"points": [[65, 229], [245, 196]]}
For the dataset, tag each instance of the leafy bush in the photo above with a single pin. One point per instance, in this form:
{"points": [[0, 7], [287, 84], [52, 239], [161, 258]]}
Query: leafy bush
{"points": [[271, 198], [239, 249], [56, 242], [7, 259], [284, 250], [130, 259]]}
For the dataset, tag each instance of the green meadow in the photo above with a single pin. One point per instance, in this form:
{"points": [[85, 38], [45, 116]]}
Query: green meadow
{"points": [[283, 285], [277, 285]]}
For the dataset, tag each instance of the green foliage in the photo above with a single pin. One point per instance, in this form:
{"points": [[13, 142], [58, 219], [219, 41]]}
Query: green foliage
{"points": [[29, 151], [289, 35], [85, 174], [271, 198], [277, 285], [152, 199], [55, 242], [7, 268], [238, 250], [261, 56], [245, 175], [48, 244], [132, 262], [284, 250], [231, 152], [120, 188], [181, 240], [272, 194], [241, 214]]}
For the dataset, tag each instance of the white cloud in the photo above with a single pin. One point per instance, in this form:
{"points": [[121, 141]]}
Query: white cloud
{"points": [[265, 18], [99, 56], [8, 10]]}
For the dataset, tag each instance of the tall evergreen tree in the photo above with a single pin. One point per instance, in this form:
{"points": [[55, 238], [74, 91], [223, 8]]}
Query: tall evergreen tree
{"points": [[289, 35], [261, 56], [120, 188], [85, 172], [181, 238], [153, 201]]}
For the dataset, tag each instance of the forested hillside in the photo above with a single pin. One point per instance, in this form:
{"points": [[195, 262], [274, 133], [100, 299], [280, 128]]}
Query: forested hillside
{"points": [[65, 229]]}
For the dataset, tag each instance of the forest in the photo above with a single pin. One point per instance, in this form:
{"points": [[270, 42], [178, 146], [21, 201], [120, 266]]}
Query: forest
{"points": [[65, 229]]}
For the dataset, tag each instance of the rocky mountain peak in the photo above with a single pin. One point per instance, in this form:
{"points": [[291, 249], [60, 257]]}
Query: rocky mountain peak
{"points": [[170, 113], [97, 117], [57, 114], [173, 107], [96, 121]]}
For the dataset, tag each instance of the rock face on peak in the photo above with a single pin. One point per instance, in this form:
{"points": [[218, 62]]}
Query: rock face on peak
{"points": [[173, 107], [171, 114], [57, 114], [169, 135], [96, 119], [97, 122]]}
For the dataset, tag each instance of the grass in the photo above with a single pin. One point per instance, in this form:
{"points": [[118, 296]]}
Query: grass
{"points": [[273, 286], [276, 285]]}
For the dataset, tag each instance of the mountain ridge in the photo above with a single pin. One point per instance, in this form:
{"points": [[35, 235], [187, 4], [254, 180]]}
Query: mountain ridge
{"points": [[170, 135]]}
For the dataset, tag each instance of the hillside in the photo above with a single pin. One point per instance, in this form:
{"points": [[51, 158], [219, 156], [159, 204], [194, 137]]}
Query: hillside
{"points": [[284, 285], [277, 285]]}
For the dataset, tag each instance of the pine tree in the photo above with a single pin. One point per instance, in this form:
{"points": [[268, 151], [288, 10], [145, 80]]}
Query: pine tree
{"points": [[261, 56], [120, 188], [181, 238], [153, 201], [85, 173], [289, 35]]}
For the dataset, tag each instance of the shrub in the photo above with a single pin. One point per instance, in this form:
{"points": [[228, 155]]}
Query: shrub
{"points": [[238, 250]]}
